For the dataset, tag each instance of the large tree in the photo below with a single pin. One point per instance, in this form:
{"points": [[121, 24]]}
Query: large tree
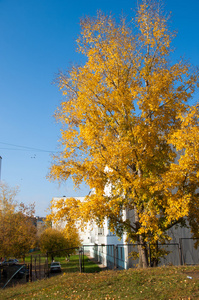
{"points": [[125, 116], [17, 231]]}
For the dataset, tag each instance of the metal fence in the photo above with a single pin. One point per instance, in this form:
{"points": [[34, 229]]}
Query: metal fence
{"points": [[165, 254], [189, 251], [112, 256], [120, 256], [12, 275], [35, 269], [38, 267], [125, 256]]}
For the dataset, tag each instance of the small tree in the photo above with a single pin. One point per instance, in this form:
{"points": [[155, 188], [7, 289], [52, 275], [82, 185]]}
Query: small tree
{"points": [[57, 242], [18, 233]]}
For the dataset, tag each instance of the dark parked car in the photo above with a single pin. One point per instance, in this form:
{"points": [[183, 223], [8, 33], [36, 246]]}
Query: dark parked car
{"points": [[55, 267], [10, 262]]}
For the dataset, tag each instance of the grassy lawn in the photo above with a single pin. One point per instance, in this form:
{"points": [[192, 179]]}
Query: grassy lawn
{"points": [[153, 283], [67, 266], [73, 264]]}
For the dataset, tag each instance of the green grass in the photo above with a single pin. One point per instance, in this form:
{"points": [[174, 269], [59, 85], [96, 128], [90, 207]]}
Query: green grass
{"points": [[153, 283], [67, 266], [33, 254], [73, 264], [89, 266]]}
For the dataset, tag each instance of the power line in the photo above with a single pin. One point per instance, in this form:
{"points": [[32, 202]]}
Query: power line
{"points": [[24, 148], [15, 149]]}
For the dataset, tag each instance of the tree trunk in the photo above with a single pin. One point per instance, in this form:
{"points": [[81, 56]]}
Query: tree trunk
{"points": [[155, 259], [142, 246], [143, 253]]}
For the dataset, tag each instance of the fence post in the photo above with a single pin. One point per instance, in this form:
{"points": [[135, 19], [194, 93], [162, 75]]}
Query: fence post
{"points": [[149, 255], [115, 256], [47, 271], [28, 273], [30, 270], [35, 267], [181, 252], [83, 259], [80, 260], [39, 266]]}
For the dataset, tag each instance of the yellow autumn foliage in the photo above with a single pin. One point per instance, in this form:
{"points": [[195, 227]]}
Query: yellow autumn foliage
{"points": [[125, 116]]}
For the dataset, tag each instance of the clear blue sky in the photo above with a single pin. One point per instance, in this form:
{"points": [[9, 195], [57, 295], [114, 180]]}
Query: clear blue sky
{"points": [[37, 38]]}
